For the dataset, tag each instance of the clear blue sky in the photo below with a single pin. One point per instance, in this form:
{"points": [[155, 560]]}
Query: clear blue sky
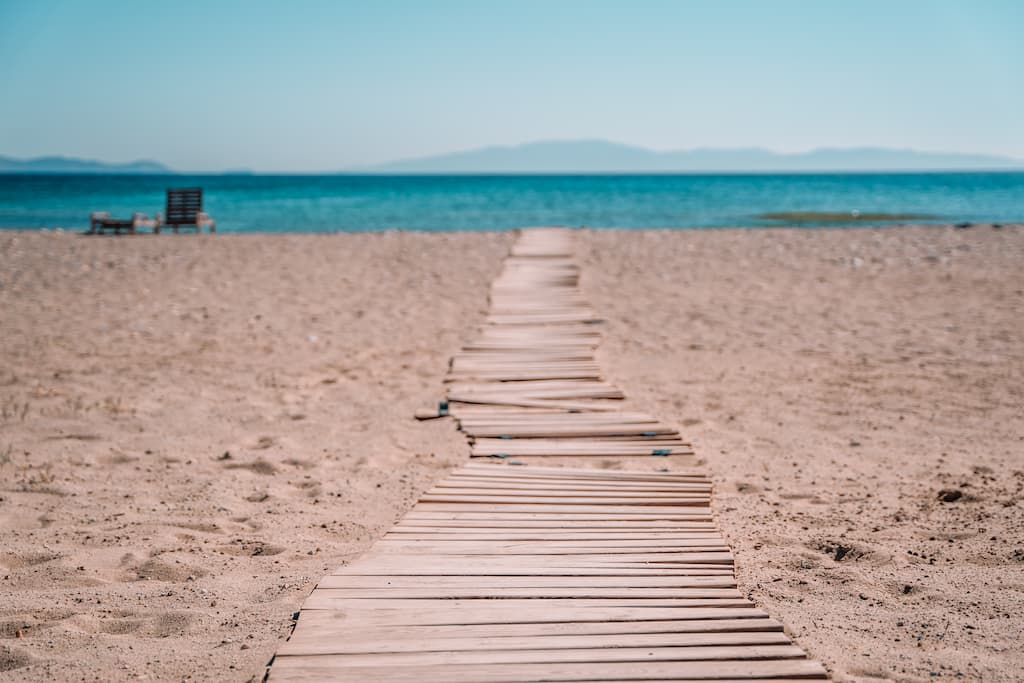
{"points": [[307, 86]]}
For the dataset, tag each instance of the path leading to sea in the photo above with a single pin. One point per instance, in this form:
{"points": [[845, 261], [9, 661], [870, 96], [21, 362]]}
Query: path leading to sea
{"points": [[514, 570]]}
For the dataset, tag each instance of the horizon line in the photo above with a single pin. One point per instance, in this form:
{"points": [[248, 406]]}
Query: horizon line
{"points": [[566, 173]]}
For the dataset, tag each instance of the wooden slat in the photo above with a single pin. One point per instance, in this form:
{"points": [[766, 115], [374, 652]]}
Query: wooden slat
{"points": [[682, 515], [465, 524], [330, 644], [628, 509], [327, 599], [510, 483], [688, 621], [580, 443], [587, 495], [460, 533], [497, 400], [464, 568], [319, 668], [683, 581], [498, 615], [328, 589], [678, 515], [570, 430], [612, 450], [534, 415], [562, 559], [540, 472], [538, 546]]}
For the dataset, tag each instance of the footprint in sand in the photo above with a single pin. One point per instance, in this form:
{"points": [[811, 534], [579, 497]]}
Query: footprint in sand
{"points": [[259, 466], [22, 560], [118, 458], [205, 527], [296, 462], [73, 437], [311, 489], [20, 522], [243, 547], [127, 622], [839, 551], [798, 496], [264, 442], [30, 623], [158, 570], [248, 522], [12, 658]]}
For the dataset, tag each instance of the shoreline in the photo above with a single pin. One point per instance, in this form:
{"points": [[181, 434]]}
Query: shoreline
{"points": [[490, 202], [195, 434], [938, 223]]}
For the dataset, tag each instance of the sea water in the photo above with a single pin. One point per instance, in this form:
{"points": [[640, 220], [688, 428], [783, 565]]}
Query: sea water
{"points": [[350, 203]]}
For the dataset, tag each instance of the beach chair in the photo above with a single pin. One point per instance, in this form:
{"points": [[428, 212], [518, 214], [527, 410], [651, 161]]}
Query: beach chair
{"points": [[101, 222], [185, 209]]}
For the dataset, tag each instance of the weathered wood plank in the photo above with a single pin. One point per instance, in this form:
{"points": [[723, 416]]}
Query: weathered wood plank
{"points": [[340, 622], [628, 510], [326, 599], [333, 581], [534, 614], [544, 546], [305, 643], [525, 593], [589, 522], [559, 472], [460, 534], [319, 668]]}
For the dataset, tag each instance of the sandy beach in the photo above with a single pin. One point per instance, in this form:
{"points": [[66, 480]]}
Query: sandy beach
{"points": [[193, 430]]}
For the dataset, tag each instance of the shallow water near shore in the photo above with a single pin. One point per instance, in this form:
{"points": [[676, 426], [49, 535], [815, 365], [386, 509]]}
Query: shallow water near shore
{"points": [[351, 203]]}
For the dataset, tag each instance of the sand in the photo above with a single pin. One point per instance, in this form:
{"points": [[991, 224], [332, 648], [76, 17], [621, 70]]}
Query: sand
{"points": [[194, 429]]}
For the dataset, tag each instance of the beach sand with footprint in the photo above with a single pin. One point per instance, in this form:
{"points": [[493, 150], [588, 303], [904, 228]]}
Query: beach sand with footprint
{"points": [[195, 430]]}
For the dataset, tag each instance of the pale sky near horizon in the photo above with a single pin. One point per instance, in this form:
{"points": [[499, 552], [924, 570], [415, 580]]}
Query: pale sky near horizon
{"points": [[318, 85]]}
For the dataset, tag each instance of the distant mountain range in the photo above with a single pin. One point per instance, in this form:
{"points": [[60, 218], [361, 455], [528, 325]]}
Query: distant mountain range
{"points": [[600, 156], [72, 165]]}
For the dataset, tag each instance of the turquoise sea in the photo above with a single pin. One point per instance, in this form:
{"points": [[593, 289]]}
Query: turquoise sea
{"points": [[349, 203]]}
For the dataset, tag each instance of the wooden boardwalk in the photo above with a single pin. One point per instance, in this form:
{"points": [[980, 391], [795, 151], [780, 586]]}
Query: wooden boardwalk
{"points": [[531, 573], [530, 385]]}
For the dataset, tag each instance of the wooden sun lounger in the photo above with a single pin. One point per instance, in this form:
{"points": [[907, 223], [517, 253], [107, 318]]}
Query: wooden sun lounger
{"points": [[101, 222], [185, 209]]}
